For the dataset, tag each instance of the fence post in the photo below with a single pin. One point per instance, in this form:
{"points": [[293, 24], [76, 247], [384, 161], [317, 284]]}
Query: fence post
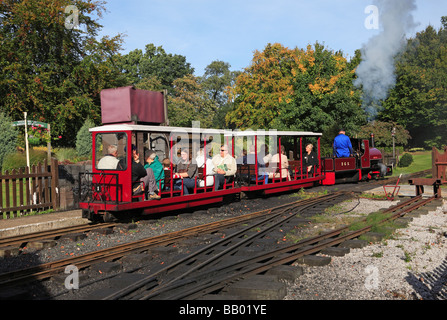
{"points": [[55, 183]]}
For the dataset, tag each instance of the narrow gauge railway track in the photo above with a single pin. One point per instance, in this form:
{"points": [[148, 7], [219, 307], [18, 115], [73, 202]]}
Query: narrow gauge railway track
{"points": [[47, 270], [55, 233], [52, 234], [215, 273]]}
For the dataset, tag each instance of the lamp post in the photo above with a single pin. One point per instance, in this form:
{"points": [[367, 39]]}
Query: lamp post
{"points": [[393, 134]]}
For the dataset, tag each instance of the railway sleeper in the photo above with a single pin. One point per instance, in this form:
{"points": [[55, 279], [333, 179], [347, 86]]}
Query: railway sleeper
{"points": [[314, 261], [258, 287]]}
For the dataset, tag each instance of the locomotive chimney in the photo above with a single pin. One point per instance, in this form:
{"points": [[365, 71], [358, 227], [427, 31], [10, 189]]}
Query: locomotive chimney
{"points": [[372, 140]]}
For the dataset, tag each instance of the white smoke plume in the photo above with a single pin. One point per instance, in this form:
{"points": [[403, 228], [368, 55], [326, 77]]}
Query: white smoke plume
{"points": [[376, 70]]}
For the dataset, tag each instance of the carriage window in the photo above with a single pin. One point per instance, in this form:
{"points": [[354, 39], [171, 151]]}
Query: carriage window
{"points": [[110, 151]]}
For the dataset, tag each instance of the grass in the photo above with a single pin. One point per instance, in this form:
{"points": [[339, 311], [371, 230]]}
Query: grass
{"points": [[421, 161]]}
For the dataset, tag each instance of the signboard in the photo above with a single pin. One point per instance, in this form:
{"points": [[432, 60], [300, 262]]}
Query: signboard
{"points": [[30, 123]]}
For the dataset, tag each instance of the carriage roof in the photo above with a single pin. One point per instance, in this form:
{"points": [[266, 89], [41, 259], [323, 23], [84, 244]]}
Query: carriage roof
{"points": [[198, 130]]}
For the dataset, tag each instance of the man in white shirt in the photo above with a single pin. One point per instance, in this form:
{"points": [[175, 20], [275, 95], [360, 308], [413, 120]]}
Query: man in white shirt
{"points": [[109, 161], [224, 167]]}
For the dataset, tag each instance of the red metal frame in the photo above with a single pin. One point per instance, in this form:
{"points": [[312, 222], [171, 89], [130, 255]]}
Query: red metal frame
{"points": [[171, 199], [276, 185], [349, 166]]}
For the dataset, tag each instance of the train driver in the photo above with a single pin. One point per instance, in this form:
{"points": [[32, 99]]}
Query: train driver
{"points": [[342, 145]]}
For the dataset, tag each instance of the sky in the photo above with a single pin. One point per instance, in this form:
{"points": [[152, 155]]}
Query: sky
{"points": [[207, 30]]}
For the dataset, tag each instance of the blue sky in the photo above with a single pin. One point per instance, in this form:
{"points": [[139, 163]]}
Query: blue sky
{"points": [[228, 30]]}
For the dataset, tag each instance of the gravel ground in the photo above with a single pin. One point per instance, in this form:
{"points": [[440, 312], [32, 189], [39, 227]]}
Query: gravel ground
{"points": [[411, 265], [145, 228]]}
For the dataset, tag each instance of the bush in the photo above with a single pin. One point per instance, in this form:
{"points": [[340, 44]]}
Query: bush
{"points": [[84, 139], [64, 154], [8, 137], [405, 160], [17, 160], [416, 149]]}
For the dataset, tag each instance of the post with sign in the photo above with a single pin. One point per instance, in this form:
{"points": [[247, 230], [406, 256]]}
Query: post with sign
{"points": [[26, 143], [27, 123], [49, 145], [27, 152]]}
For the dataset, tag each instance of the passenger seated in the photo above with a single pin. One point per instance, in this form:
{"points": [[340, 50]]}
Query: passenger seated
{"points": [[166, 164], [154, 165], [186, 171], [274, 162], [250, 157], [137, 173], [224, 167], [310, 159], [109, 161], [200, 159], [264, 158]]}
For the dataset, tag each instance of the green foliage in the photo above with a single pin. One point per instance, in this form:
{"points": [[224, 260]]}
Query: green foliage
{"points": [[405, 160], [419, 99], [155, 66], [215, 82], [53, 72], [84, 139], [383, 133], [64, 154], [17, 160], [8, 137], [190, 103]]}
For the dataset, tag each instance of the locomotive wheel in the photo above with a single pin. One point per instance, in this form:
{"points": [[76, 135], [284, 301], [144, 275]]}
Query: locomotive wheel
{"points": [[108, 217]]}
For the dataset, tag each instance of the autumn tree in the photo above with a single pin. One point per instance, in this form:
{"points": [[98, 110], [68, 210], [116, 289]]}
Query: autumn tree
{"points": [[296, 89], [52, 65]]}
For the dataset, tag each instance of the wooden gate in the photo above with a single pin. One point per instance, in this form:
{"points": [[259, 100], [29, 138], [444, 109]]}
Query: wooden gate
{"points": [[439, 164], [26, 190]]}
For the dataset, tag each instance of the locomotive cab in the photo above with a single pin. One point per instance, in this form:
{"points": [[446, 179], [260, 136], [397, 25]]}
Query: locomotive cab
{"points": [[364, 164]]}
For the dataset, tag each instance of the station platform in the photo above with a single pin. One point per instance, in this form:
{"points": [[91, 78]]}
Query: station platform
{"points": [[36, 223]]}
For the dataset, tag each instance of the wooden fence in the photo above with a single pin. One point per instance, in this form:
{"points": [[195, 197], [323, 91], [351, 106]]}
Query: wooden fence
{"points": [[25, 190]]}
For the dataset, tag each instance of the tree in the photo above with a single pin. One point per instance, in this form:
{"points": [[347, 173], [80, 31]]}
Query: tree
{"points": [[52, 70], [190, 103], [260, 89], [216, 81], [296, 89], [154, 63], [84, 139], [419, 99], [383, 133], [8, 137]]}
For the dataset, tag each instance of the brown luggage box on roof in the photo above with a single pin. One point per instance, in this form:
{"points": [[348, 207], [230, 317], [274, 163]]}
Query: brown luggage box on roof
{"points": [[132, 106]]}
